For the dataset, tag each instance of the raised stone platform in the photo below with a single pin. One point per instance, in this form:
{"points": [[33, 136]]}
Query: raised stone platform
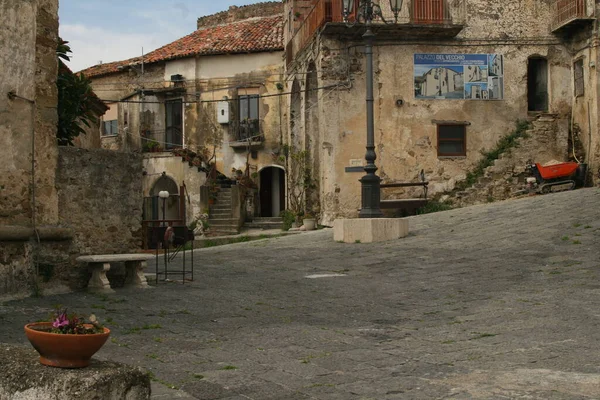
{"points": [[24, 378], [367, 230]]}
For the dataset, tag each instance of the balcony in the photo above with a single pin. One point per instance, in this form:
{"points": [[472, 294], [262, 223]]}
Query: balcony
{"points": [[248, 134], [571, 13], [418, 19]]}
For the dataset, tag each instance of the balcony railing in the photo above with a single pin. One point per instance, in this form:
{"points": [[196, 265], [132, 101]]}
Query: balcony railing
{"points": [[436, 15], [565, 12]]}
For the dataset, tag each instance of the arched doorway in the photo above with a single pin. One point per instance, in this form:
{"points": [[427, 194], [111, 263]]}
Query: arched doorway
{"points": [[272, 191], [155, 207], [537, 84]]}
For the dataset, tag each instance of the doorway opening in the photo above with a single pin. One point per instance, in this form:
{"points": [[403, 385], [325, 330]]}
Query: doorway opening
{"points": [[537, 84], [168, 209], [272, 191]]}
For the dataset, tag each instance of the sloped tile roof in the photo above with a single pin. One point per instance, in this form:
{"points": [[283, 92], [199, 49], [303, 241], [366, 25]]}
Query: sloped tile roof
{"points": [[248, 36]]}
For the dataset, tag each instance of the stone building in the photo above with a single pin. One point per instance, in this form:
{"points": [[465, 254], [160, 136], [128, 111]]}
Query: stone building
{"points": [[55, 203], [215, 93], [451, 77]]}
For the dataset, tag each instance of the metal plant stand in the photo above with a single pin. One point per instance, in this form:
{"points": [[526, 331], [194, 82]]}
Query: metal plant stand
{"points": [[182, 236]]}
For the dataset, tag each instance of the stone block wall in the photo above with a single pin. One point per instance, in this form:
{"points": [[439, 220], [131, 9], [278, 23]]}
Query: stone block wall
{"points": [[234, 13], [100, 199]]}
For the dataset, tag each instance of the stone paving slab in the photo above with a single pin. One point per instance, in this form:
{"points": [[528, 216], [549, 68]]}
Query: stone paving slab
{"points": [[498, 301]]}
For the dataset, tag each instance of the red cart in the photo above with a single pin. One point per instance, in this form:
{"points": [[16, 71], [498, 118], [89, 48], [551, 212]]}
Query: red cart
{"points": [[567, 174]]}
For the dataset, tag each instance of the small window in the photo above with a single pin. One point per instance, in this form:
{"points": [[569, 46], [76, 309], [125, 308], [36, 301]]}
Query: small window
{"points": [[452, 140], [578, 78], [110, 128]]}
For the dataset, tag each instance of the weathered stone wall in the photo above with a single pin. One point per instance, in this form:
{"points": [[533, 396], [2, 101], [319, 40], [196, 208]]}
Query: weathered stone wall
{"points": [[123, 86], [506, 178], [28, 68], [406, 135], [235, 13], [100, 199]]}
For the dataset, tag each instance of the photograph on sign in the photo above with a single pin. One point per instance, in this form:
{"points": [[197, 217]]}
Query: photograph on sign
{"points": [[459, 76]]}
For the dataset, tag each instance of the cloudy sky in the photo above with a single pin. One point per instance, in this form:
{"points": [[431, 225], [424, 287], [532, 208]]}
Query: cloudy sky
{"points": [[113, 30]]}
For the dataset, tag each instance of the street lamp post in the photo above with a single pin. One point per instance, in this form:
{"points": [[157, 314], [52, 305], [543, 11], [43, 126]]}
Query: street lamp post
{"points": [[164, 195], [370, 183]]}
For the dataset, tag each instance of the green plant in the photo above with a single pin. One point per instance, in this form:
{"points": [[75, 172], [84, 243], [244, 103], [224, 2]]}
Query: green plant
{"points": [[289, 217], [74, 324], [150, 146], [488, 157], [299, 177], [433, 206], [78, 106]]}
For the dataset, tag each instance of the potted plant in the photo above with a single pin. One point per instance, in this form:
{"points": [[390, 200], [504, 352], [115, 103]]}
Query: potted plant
{"points": [[309, 221], [68, 341]]}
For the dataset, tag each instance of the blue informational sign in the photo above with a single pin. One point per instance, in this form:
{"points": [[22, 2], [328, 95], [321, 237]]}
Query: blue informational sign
{"points": [[459, 76]]}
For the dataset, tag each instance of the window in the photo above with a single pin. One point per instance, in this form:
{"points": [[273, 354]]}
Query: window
{"points": [[110, 128], [174, 124], [249, 122], [110, 125], [452, 140], [578, 78]]}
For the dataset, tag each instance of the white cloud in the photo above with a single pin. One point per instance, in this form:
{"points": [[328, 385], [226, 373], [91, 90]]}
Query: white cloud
{"points": [[92, 44]]}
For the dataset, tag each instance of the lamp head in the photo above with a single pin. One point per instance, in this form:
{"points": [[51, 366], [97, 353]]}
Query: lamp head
{"points": [[347, 6], [396, 6], [163, 194]]}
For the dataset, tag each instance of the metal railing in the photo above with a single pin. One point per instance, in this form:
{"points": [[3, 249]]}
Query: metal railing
{"points": [[565, 11], [415, 12]]}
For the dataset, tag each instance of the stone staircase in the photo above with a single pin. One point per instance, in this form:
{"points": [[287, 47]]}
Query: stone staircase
{"points": [[220, 219], [265, 223], [546, 139]]}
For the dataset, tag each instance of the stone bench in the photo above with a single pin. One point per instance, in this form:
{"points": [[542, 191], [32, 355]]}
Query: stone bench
{"points": [[100, 264], [407, 206]]}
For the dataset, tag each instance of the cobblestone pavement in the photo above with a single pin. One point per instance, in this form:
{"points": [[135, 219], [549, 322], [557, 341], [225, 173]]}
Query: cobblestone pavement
{"points": [[498, 301]]}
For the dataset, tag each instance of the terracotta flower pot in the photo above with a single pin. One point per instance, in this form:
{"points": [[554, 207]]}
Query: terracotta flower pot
{"points": [[64, 351]]}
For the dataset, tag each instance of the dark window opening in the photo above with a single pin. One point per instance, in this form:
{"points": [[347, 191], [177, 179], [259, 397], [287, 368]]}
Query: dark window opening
{"points": [[578, 78], [110, 128], [249, 122], [452, 140], [174, 124], [537, 84]]}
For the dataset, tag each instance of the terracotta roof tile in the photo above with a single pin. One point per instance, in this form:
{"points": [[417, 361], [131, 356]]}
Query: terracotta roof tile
{"points": [[248, 36]]}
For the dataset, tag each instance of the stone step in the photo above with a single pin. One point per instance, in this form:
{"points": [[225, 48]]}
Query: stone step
{"points": [[263, 225], [222, 232], [222, 221], [220, 214], [220, 207], [267, 219]]}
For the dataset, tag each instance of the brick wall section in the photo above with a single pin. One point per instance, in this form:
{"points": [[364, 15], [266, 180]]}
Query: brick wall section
{"points": [[234, 13], [100, 198]]}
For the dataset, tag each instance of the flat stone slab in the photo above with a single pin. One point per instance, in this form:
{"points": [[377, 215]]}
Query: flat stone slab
{"points": [[368, 230], [24, 378], [108, 258]]}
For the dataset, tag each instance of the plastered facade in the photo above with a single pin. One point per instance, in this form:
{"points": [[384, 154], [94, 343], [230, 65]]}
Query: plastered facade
{"points": [[406, 133], [140, 101]]}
